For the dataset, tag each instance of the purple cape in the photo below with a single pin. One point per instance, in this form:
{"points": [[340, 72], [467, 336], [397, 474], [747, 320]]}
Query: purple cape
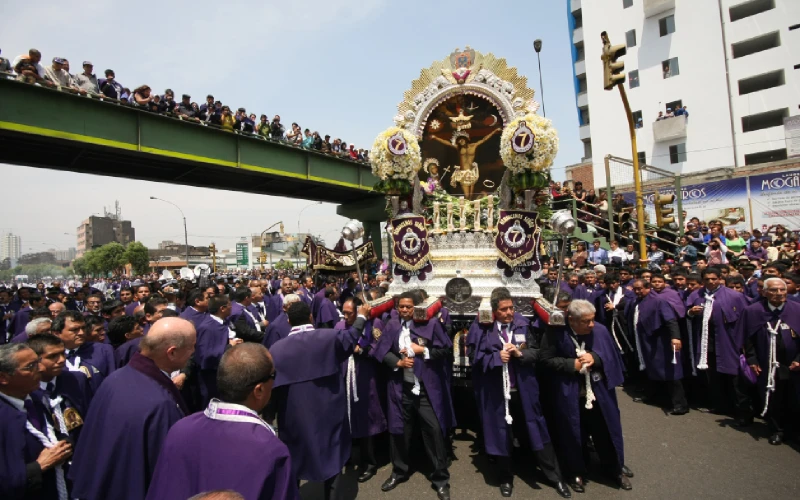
{"points": [[753, 323], [368, 414], [728, 342], [316, 301], [433, 374], [327, 312], [76, 393], [655, 339], [237, 311], [567, 396], [675, 301], [201, 454], [194, 316], [311, 400], [20, 321], [20, 447], [131, 307], [212, 340], [99, 355], [124, 352], [127, 422], [496, 432], [277, 329], [274, 306]]}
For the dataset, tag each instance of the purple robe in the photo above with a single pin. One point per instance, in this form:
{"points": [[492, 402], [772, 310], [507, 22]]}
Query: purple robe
{"points": [[274, 306], [130, 308], [305, 296], [202, 454], [126, 426], [491, 404], [316, 301], [237, 311], [578, 293], [655, 336], [433, 374], [277, 330], [20, 321], [19, 339], [567, 395], [368, 414], [99, 355], [124, 353], [311, 400], [20, 447], [754, 326], [728, 342], [75, 391], [327, 312], [194, 316], [212, 340]]}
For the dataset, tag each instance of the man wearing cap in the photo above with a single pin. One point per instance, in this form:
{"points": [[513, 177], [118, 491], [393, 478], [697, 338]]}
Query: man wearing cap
{"points": [[185, 107], [109, 86], [87, 81], [56, 74]]}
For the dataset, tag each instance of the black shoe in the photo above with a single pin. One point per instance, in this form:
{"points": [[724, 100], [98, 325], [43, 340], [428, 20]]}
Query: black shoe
{"points": [[642, 399], [743, 422], [577, 484], [506, 489], [626, 471], [367, 474], [679, 410], [624, 483], [563, 490], [392, 483], [443, 493], [776, 439]]}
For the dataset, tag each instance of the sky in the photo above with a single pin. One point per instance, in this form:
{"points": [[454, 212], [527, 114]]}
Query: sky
{"points": [[336, 66]]}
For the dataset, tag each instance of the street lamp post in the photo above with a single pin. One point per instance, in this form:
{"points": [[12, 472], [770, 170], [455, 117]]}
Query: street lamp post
{"points": [[185, 232], [263, 246], [537, 46], [301, 213]]}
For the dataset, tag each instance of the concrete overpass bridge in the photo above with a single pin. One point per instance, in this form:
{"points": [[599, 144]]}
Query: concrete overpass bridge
{"points": [[47, 128]]}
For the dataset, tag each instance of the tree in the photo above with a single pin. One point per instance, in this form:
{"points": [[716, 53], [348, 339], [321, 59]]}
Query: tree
{"points": [[36, 258], [284, 265], [5, 265], [138, 257], [109, 258], [80, 266]]}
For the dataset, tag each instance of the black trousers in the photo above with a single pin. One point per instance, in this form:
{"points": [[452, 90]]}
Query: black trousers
{"points": [[674, 387], [367, 449], [330, 487], [418, 413], [545, 458], [722, 392], [783, 413], [593, 423]]}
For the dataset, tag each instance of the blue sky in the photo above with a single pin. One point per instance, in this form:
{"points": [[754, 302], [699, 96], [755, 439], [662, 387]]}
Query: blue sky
{"points": [[339, 67]]}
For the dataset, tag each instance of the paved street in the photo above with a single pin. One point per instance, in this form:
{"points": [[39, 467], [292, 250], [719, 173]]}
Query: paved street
{"points": [[693, 456]]}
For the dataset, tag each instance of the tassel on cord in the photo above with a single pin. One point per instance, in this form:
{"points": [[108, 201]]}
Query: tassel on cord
{"points": [[674, 355], [507, 393], [636, 335], [708, 308], [773, 363], [351, 386], [580, 350]]}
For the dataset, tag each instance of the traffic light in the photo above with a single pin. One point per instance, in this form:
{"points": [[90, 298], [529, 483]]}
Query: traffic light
{"points": [[664, 217], [613, 74], [281, 227], [624, 223]]}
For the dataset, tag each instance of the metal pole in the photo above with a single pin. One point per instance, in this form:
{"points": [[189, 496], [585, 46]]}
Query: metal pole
{"points": [[541, 85], [186, 240], [637, 179], [679, 204], [609, 194], [560, 268], [358, 271]]}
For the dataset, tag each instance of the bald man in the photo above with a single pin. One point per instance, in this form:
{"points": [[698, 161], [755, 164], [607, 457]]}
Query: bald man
{"points": [[229, 445], [130, 416]]}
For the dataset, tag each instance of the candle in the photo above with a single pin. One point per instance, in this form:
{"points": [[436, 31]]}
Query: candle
{"points": [[477, 214], [450, 226], [462, 217], [490, 218], [436, 217]]}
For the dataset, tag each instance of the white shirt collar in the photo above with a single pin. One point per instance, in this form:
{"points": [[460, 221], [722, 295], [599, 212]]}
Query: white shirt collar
{"points": [[773, 308], [500, 326], [19, 404], [218, 320]]}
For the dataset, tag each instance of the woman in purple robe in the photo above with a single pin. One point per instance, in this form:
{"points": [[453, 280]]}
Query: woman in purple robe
{"points": [[586, 369], [228, 446], [773, 336]]}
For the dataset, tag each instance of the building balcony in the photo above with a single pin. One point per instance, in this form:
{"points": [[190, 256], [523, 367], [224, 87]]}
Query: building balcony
{"points": [[575, 5], [670, 129], [656, 7], [584, 132], [583, 100], [580, 68], [577, 35]]}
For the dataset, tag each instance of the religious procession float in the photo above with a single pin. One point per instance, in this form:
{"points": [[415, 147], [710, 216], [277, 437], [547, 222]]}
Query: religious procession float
{"points": [[466, 172]]}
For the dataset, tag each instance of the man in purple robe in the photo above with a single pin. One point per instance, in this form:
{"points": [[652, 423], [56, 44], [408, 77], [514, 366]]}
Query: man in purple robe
{"points": [[130, 416], [573, 287], [658, 345], [197, 307], [125, 334], [327, 314], [311, 395], [214, 335], [69, 327], [366, 388], [274, 304], [610, 306], [279, 328], [714, 312], [32, 453], [418, 390], [142, 294], [586, 368], [228, 446], [772, 330], [508, 395], [23, 316], [320, 294]]}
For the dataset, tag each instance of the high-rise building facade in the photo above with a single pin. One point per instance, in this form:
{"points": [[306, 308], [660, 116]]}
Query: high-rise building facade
{"points": [[97, 231], [733, 65], [10, 247]]}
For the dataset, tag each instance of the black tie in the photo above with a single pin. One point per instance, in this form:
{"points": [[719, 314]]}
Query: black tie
{"points": [[34, 415]]}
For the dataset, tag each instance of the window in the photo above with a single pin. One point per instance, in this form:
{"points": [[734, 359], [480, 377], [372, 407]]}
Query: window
{"points": [[630, 38], [642, 158], [677, 153], [581, 84], [761, 82], [670, 68], [627, 3], [750, 8], [633, 79], [587, 149], [580, 54], [637, 119], [760, 121], [765, 156], [757, 44], [672, 106], [584, 116], [666, 25], [577, 16]]}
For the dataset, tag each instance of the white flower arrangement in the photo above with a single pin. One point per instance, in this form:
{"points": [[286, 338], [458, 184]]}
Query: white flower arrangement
{"points": [[402, 163], [545, 147]]}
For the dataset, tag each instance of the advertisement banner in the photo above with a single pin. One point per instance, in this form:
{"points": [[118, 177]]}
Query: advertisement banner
{"points": [[775, 199], [517, 244], [724, 200], [243, 255]]}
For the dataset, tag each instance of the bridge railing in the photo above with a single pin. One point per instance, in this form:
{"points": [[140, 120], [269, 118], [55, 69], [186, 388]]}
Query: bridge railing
{"points": [[182, 118]]}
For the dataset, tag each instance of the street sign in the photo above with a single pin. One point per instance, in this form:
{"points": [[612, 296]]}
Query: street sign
{"points": [[243, 255]]}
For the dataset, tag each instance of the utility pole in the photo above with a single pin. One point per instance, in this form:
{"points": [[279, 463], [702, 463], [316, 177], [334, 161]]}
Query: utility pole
{"points": [[213, 249], [613, 76]]}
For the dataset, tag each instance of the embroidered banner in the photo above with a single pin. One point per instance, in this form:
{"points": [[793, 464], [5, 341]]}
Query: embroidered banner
{"points": [[517, 244], [320, 257], [410, 243]]}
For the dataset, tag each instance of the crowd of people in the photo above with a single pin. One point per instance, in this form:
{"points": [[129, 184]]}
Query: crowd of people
{"points": [[28, 68], [152, 390]]}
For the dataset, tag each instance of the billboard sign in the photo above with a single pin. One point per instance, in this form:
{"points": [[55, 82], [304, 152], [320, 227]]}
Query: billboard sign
{"points": [[243, 255], [775, 199]]}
